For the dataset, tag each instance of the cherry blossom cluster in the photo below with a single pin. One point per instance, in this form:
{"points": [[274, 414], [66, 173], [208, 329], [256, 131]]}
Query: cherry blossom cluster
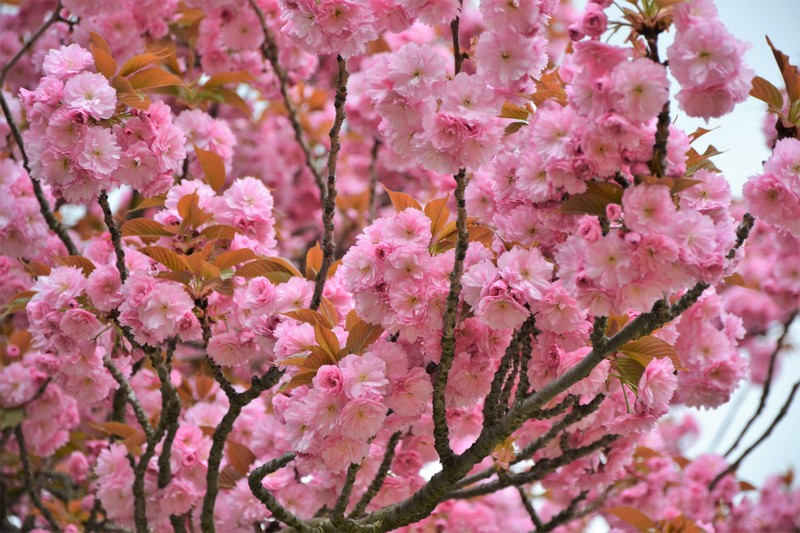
{"points": [[22, 229], [523, 266], [774, 195], [707, 61], [81, 143], [652, 247]]}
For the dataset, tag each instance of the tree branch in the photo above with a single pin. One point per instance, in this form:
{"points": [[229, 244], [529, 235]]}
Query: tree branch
{"points": [[29, 484], [767, 384], [373, 181], [441, 432], [380, 477], [237, 402], [116, 236], [269, 50], [329, 205], [782, 413], [278, 511], [130, 396]]}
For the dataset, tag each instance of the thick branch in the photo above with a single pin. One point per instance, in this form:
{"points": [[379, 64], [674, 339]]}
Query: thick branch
{"points": [[237, 402], [278, 511], [329, 205]]}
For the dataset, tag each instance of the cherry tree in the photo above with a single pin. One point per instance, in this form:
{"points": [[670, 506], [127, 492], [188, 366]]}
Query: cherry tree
{"points": [[377, 265]]}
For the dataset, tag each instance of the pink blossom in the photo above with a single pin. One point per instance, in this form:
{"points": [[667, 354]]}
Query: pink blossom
{"points": [[658, 382], [361, 418], [90, 93], [66, 61]]}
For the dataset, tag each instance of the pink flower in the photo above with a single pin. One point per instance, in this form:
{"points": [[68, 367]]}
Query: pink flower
{"points": [[80, 324], [658, 383], [66, 61], [411, 394], [98, 152], [90, 93], [329, 380], [361, 418], [364, 376], [505, 57], [340, 452], [642, 87]]}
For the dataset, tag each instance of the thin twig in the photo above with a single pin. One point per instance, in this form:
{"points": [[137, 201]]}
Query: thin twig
{"points": [[329, 204], [373, 181], [734, 465], [337, 514], [236, 403], [380, 477], [130, 396], [767, 384], [116, 236], [29, 484], [441, 432], [44, 206], [269, 50]]}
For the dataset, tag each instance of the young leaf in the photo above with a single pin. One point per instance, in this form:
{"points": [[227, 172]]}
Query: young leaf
{"points": [[767, 93], [514, 111], [77, 261], [326, 340], [213, 167], [147, 203], [361, 336], [138, 62], [240, 457], [401, 201], [153, 77], [239, 76], [307, 316], [313, 261], [632, 516], [437, 211], [788, 71], [649, 347], [144, 227], [220, 232], [232, 258], [167, 257]]}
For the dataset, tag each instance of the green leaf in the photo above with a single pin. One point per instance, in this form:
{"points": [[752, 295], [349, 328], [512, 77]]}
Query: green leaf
{"points": [[10, 418]]}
